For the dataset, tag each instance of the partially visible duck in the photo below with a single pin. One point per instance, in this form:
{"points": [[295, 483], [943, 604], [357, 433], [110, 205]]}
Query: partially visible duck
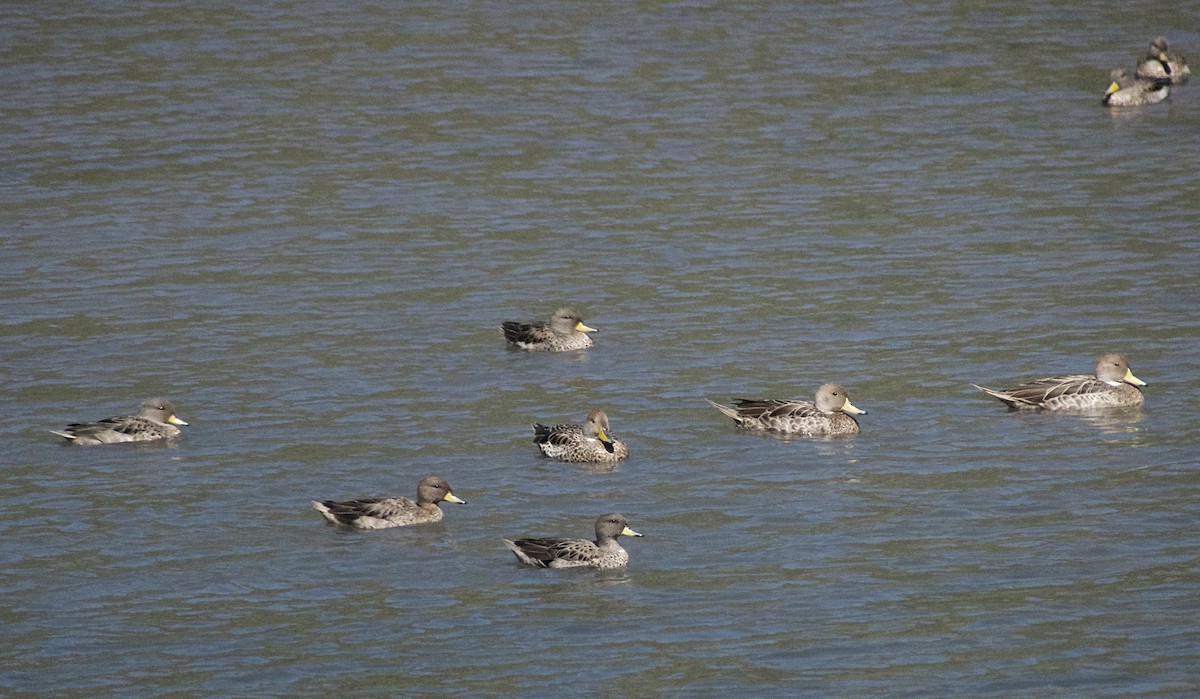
{"points": [[1162, 63]]}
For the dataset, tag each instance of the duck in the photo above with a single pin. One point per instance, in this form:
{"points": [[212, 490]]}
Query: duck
{"points": [[553, 552], [587, 443], [1128, 90], [1113, 386], [1161, 63], [387, 512], [831, 413], [563, 332], [155, 420]]}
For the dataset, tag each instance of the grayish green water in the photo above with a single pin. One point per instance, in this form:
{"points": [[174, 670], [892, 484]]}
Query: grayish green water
{"points": [[304, 224]]}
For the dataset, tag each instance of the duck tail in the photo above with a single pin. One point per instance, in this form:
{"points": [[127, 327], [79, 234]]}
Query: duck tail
{"points": [[1006, 398], [731, 412]]}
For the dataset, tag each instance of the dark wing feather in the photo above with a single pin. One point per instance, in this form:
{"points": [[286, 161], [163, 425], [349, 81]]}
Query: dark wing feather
{"points": [[558, 435], [381, 508], [528, 333], [548, 549], [537, 550], [125, 424]]}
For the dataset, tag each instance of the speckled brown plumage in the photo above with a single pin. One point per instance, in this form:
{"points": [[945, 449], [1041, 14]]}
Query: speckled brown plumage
{"points": [[1128, 90], [829, 415], [563, 332], [1161, 62], [587, 443], [386, 512], [1113, 386], [155, 420], [553, 552]]}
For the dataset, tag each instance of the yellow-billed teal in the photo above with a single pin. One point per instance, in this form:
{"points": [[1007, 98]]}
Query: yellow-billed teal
{"points": [[155, 420], [586, 443], [383, 513], [564, 332], [829, 415], [1163, 63], [552, 552], [1113, 386], [1128, 90]]}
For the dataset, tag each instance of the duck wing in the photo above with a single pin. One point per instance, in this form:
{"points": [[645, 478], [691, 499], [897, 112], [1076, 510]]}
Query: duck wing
{"points": [[557, 435], [775, 409], [526, 333], [544, 551]]}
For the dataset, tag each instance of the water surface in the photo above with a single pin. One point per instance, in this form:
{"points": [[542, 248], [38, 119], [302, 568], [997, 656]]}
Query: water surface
{"points": [[304, 225]]}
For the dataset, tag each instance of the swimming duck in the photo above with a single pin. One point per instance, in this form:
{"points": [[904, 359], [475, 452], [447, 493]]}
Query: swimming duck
{"points": [[564, 332], [383, 513], [155, 420], [586, 443], [829, 415], [1128, 90], [1113, 386], [554, 552], [1161, 63]]}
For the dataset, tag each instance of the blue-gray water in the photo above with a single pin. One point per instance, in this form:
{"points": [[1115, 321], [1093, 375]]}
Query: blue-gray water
{"points": [[303, 223]]}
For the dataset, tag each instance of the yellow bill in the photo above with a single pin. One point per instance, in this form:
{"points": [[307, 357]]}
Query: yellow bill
{"points": [[1131, 379]]}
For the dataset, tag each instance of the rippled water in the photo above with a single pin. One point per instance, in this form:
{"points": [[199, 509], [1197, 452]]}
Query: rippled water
{"points": [[304, 225]]}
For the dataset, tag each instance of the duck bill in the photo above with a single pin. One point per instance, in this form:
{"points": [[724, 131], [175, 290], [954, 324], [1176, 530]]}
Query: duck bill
{"points": [[580, 327], [849, 407], [1112, 88], [604, 439], [451, 497], [175, 421], [629, 532], [1131, 379]]}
